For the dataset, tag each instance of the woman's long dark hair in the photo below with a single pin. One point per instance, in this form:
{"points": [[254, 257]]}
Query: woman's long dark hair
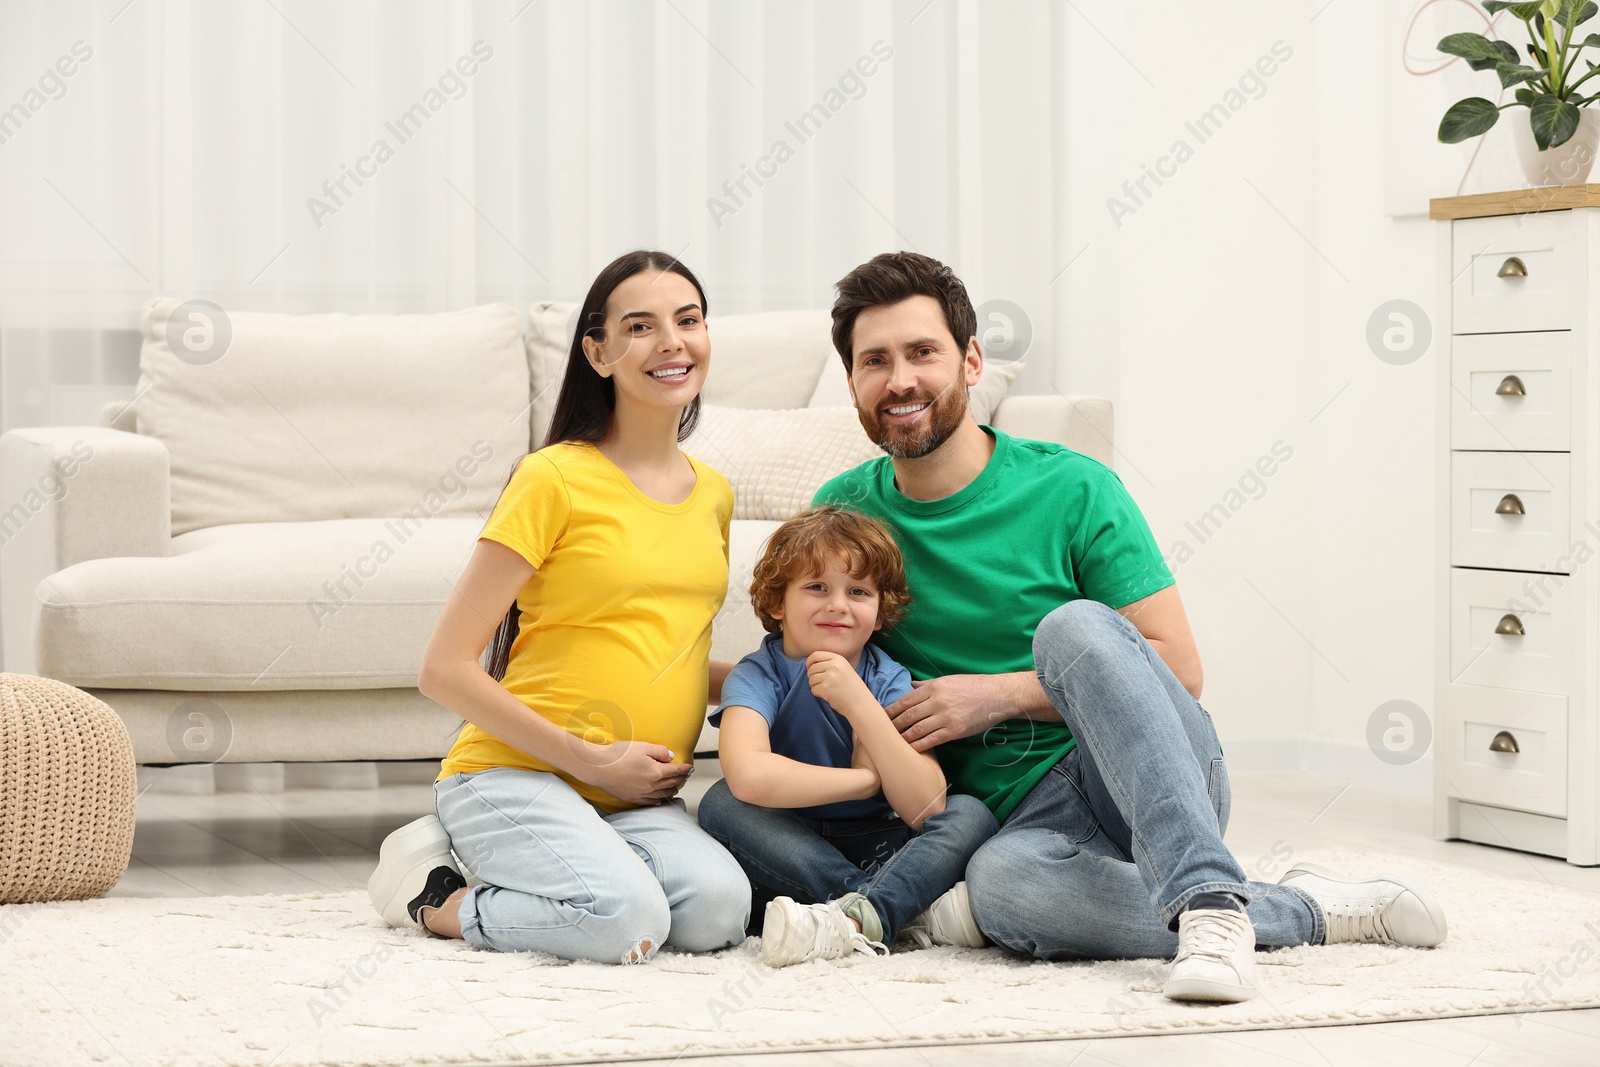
{"points": [[587, 402]]}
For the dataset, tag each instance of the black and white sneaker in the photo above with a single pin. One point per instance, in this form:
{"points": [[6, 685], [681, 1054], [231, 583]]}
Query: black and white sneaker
{"points": [[416, 870]]}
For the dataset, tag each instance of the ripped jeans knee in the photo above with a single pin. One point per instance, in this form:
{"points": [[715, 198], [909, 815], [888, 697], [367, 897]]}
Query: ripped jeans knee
{"points": [[632, 933]]}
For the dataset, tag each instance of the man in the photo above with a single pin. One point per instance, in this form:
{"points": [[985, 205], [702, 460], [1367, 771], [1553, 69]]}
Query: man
{"points": [[1057, 676]]}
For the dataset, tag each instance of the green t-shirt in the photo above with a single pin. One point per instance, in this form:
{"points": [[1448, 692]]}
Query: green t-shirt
{"points": [[1040, 526]]}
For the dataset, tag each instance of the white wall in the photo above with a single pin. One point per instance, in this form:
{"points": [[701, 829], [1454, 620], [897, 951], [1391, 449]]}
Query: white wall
{"points": [[1371, 551], [1193, 314], [1229, 313]]}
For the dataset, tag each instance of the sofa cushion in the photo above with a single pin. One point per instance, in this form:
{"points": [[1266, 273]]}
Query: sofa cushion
{"points": [[737, 632], [339, 604], [833, 388], [308, 417], [766, 360], [777, 459]]}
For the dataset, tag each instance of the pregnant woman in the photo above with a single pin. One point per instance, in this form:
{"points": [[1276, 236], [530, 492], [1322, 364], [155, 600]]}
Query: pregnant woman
{"points": [[597, 576]]}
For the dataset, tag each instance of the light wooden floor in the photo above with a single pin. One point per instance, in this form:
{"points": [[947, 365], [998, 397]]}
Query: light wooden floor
{"points": [[256, 838]]}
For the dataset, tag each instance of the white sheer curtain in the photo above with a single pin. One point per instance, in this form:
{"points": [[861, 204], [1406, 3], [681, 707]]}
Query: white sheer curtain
{"points": [[302, 156]]}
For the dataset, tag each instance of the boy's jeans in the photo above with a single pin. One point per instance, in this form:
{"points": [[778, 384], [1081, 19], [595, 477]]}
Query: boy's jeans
{"points": [[1098, 860], [899, 870]]}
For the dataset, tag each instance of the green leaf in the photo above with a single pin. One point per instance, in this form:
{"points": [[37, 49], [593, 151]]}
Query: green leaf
{"points": [[1591, 41], [1525, 97], [1467, 118], [1554, 121], [1515, 73], [1479, 52], [1573, 12], [1521, 11]]}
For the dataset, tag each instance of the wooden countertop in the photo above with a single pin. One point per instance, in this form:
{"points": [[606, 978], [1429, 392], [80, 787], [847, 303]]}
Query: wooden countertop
{"points": [[1515, 202]]}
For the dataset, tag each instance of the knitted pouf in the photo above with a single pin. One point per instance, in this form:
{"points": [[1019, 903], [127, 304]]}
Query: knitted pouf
{"points": [[67, 790]]}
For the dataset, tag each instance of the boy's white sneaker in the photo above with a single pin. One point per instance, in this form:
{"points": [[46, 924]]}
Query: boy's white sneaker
{"points": [[794, 933], [1385, 910], [415, 870], [1216, 957], [948, 921]]}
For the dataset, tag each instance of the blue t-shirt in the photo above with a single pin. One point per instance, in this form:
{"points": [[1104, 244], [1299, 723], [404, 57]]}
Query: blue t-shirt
{"points": [[803, 727]]}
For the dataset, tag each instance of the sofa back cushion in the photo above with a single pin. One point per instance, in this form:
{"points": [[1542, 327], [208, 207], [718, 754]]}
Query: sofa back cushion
{"points": [[768, 360], [777, 458], [303, 417]]}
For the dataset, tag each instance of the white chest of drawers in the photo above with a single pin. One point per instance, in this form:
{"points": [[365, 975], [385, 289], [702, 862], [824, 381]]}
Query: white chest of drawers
{"points": [[1517, 668]]}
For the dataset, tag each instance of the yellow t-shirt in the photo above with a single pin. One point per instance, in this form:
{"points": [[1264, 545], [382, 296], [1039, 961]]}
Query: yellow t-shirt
{"points": [[615, 634]]}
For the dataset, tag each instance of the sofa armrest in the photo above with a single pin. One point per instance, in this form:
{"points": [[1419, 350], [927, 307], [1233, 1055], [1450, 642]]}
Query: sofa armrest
{"points": [[69, 494], [1082, 423]]}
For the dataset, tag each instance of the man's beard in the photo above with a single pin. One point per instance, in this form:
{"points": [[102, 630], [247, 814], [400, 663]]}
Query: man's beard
{"points": [[944, 415]]}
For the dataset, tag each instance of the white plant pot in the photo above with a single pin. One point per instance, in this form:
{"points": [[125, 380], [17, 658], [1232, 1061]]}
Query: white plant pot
{"points": [[1565, 164]]}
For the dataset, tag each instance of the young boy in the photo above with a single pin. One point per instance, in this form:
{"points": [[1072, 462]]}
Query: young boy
{"points": [[822, 802]]}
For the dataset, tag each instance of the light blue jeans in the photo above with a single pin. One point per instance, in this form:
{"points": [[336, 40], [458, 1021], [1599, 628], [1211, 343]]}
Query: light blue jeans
{"points": [[563, 878], [1098, 860]]}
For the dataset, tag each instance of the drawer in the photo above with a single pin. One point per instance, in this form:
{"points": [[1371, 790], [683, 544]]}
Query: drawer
{"points": [[1488, 296], [1512, 630], [1471, 724], [1511, 391], [1533, 533]]}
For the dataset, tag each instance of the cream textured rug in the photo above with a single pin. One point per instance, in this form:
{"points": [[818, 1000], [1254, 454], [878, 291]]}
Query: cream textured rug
{"points": [[318, 979]]}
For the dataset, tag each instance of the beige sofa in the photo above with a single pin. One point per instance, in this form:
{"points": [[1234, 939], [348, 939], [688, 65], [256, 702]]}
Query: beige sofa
{"points": [[246, 562]]}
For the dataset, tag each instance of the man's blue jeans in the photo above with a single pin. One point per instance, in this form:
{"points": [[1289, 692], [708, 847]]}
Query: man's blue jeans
{"points": [[899, 870], [1098, 860]]}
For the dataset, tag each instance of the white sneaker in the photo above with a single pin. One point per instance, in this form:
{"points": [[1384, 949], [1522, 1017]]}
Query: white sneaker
{"points": [[794, 933], [415, 870], [1385, 910], [948, 921], [1216, 957]]}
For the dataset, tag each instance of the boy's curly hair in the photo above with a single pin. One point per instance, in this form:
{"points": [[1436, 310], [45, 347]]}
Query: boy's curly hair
{"points": [[807, 543]]}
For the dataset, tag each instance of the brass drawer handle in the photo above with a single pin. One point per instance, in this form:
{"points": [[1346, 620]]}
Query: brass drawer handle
{"points": [[1504, 742], [1509, 505], [1510, 626], [1512, 268], [1511, 385]]}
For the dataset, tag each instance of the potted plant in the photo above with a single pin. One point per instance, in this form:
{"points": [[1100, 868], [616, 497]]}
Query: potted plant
{"points": [[1557, 144]]}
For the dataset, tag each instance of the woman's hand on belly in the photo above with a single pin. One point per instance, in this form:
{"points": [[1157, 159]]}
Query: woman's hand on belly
{"points": [[635, 772]]}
